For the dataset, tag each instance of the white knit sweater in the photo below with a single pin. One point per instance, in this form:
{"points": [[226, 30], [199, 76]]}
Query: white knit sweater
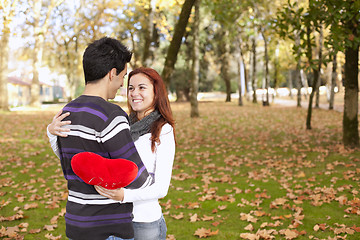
{"points": [[146, 204]]}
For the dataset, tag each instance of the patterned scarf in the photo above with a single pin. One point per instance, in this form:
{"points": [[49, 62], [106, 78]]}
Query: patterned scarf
{"points": [[143, 126]]}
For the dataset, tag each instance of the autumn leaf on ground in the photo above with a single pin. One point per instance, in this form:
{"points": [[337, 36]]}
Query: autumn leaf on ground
{"points": [[249, 236], [207, 218], [248, 217], [17, 216], [194, 218], [279, 201], [54, 219], [193, 205], [222, 207], [170, 237], [34, 231], [31, 205], [249, 227], [266, 234], [50, 227], [259, 213], [357, 229], [11, 232], [204, 233], [51, 237], [179, 216], [289, 234], [321, 227], [215, 223]]}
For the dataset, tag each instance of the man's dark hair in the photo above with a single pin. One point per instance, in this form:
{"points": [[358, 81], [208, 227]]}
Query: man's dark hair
{"points": [[103, 55]]}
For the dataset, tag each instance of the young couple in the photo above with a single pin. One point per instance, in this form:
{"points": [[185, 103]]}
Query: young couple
{"points": [[91, 124]]}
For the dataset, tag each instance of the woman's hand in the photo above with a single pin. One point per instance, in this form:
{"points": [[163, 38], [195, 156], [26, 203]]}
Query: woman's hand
{"points": [[55, 127], [115, 194]]}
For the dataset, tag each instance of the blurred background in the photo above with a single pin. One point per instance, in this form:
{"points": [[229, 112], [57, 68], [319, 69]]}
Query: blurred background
{"points": [[256, 49]]}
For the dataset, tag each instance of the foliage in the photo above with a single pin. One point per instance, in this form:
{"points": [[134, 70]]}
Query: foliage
{"points": [[343, 18], [239, 173]]}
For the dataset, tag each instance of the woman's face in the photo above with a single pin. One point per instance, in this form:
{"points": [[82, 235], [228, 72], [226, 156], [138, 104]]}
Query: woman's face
{"points": [[141, 94]]}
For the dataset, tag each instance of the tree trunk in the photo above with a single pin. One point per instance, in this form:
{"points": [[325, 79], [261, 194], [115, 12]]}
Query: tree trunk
{"points": [[39, 37], [266, 103], [148, 32], [176, 41], [240, 65], [315, 77], [37, 55], [195, 64], [298, 83], [8, 13], [225, 52], [333, 82], [290, 84], [317, 91], [253, 81], [304, 83], [351, 99], [297, 73], [135, 63], [319, 69], [4, 59]]}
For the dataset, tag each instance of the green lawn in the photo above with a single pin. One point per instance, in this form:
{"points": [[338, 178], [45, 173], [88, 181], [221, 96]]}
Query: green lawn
{"points": [[240, 173]]}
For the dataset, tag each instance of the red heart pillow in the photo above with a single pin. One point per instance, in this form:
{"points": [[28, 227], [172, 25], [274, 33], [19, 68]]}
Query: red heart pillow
{"points": [[108, 173]]}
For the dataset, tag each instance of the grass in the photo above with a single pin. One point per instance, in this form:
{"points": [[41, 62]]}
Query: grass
{"points": [[234, 166]]}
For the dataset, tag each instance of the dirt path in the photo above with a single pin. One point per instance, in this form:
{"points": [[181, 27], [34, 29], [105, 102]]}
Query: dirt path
{"points": [[305, 104]]}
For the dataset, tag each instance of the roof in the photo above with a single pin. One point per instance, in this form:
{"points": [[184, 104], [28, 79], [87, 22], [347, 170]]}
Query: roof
{"points": [[17, 81]]}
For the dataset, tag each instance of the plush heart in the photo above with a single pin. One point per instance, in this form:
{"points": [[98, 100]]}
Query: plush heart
{"points": [[108, 173]]}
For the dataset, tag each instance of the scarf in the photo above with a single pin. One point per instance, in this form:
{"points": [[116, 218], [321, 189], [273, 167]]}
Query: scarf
{"points": [[143, 126]]}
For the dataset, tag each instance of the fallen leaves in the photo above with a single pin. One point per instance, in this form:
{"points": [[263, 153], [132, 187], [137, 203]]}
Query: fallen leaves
{"points": [[254, 170], [248, 218], [30, 206], [204, 233]]}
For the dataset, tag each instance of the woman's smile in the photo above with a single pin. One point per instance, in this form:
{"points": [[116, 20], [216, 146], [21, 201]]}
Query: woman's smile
{"points": [[141, 94]]}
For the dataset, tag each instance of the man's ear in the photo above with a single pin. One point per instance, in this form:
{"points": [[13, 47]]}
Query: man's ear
{"points": [[113, 72]]}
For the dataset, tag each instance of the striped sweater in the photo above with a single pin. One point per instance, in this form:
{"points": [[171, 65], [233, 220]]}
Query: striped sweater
{"points": [[103, 128]]}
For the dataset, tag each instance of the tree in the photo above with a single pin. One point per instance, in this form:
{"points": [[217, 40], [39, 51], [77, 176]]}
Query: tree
{"points": [[262, 21], [40, 23], [267, 85], [321, 38], [225, 59], [253, 75], [303, 22], [290, 23], [148, 34], [68, 45], [333, 81], [176, 41], [240, 66], [7, 7], [309, 55], [226, 13], [343, 18], [195, 63]]}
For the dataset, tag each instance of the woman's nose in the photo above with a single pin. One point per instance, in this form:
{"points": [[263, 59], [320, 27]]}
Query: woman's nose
{"points": [[134, 92]]}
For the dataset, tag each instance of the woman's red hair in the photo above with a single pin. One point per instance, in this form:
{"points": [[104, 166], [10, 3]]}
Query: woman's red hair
{"points": [[161, 103]]}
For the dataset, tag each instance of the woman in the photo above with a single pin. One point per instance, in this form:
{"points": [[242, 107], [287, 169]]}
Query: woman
{"points": [[152, 129]]}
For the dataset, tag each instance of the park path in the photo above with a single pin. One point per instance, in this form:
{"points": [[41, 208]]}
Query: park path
{"points": [[305, 104]]}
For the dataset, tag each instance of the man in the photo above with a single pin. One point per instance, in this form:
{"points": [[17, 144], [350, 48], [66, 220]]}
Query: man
{"points": [[103, 128]]}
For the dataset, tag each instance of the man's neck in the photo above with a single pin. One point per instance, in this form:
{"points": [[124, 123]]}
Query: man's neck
{"points": [[95, 90]]}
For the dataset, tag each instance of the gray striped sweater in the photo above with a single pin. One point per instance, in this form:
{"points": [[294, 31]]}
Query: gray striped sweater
{"points": [[103, 128]]}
